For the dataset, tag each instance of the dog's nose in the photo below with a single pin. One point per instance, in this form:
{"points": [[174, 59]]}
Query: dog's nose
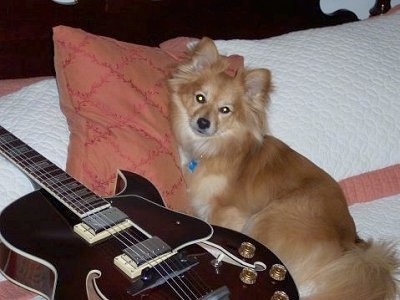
{"points": [[203, 123]]}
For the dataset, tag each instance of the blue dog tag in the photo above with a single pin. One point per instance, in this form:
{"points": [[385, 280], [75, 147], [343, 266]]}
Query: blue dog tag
{"points": [[192, 165]]}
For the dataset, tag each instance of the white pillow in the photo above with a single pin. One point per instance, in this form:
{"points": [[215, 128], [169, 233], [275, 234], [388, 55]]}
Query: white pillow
{"points": [[337, 92]]}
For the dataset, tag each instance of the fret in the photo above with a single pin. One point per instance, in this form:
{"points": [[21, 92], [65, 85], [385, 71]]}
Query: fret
{"points": [[72, 185], [40, 165], [62, 177], [91, 199], [17, 152], [59, 176], [20, 150], [68, 192], [10, 140], [62, 186], [46, 174], [6, 137], [82, 191], [42, 172]]}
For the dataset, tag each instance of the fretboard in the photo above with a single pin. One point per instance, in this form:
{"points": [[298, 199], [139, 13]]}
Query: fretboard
{"points": [[74, 195]]}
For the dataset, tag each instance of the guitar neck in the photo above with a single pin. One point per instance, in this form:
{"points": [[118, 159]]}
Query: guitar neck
{"points": [[75, 196]]}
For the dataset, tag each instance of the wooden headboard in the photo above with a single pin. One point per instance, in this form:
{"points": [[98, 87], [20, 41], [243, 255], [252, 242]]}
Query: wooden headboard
{"points": [[26, 25]]}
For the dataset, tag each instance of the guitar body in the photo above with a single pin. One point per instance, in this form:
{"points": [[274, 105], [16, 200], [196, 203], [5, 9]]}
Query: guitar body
{"points": [[65, 242], [42, 253]]}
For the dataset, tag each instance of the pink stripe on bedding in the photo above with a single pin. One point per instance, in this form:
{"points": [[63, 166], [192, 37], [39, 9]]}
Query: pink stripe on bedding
{"points": [[394, 9], [372, 185], [8, 86], [10, 291]]}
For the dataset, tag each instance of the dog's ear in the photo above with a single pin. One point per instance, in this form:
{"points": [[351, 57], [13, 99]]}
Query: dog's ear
{"points": [[258, 84], [204, 54]]}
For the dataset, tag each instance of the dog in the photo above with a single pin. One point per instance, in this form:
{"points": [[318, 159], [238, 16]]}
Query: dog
{"points": [[240, 177]]}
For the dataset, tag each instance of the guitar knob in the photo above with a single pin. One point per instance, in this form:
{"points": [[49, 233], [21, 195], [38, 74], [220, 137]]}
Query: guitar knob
{"points": [[247, 250], [280, 295], [248, 276], [277, 272]]}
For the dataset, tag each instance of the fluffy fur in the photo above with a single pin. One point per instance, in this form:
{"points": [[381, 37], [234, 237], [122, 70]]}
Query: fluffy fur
{"points": [[252, 182]]}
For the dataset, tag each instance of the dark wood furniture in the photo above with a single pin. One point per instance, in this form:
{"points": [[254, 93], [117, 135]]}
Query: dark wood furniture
{"points": [[25, 25]]}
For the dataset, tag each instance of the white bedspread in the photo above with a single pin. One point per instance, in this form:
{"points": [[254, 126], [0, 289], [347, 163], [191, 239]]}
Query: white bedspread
{"points": [[337, 92]]}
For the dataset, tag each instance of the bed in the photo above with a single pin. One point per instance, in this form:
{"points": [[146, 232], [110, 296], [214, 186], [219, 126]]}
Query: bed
{"points": [[83, 84]]}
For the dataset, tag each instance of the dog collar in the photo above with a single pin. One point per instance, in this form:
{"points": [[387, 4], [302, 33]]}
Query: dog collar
{"points": [[192, 165]]}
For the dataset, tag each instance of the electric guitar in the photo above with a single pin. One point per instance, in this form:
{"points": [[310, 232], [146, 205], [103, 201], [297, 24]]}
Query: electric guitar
{"points": [[64, 242]]}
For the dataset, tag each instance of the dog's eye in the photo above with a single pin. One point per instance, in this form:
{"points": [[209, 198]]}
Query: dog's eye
{"points": [[200, 98], [224, 110]]}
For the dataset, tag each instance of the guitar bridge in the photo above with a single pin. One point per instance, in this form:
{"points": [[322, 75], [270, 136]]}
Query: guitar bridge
{"points": [[152, 277]]}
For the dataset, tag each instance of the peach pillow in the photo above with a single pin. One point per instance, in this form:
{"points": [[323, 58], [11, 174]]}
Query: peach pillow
{"points": [[115, 99]]}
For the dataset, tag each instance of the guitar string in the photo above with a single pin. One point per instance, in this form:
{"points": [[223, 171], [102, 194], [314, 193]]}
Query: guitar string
{"points": [[162, 267], [148, 249], [48, 173], [111, 233]]}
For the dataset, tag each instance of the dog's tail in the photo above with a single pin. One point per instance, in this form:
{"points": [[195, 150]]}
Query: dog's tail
{"points": [[367, 272]]}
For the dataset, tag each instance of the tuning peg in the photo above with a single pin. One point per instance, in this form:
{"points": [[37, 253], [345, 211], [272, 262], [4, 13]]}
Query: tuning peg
{"points": [[280, 295], [277, 272], [248, 276], [247, 250]]}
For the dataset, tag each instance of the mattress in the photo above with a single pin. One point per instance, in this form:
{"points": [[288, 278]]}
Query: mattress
{"points": [[335, 100]]}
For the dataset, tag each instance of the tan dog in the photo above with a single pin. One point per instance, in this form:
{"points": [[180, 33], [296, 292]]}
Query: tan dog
{"points": [[241, 178]]}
